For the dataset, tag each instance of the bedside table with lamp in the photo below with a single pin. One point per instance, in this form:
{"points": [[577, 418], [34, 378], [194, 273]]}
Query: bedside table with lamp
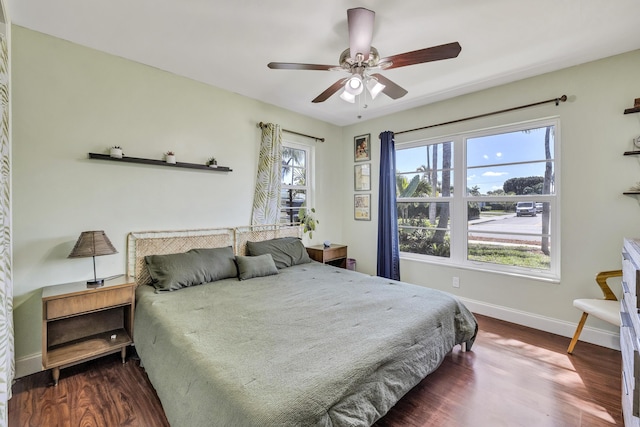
{"points": [[85, 320]]}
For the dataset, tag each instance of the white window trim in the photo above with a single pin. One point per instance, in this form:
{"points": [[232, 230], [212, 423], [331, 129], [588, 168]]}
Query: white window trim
{"points": [[459, 200], [310, 187]]}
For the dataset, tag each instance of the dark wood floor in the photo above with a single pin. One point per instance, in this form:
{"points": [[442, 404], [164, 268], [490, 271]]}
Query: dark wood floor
{"points": [[514, 376]]}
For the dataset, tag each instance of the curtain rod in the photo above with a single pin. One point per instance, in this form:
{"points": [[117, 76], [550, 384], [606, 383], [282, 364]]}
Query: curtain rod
{"points": [[563, 98], [261, 125]]}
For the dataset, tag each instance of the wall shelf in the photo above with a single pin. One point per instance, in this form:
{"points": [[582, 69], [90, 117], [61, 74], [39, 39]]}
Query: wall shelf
{"points": [[632, 110], [159, 163]]}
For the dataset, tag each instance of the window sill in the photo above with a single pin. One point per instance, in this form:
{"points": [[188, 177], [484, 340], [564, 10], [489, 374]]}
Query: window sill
{"points": [[481, 267]]}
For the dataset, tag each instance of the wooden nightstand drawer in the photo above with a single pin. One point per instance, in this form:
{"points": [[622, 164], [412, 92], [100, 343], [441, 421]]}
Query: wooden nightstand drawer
{"points": [[335, 254], [77, 304], [332, 253]]}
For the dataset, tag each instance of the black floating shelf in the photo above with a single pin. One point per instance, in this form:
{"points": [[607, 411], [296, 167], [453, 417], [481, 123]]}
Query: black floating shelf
{"points": [[632, 153], [632, 110], [159, 163]]}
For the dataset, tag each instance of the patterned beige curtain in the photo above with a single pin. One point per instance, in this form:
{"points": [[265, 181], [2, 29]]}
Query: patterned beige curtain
{"points": [[7, 364], [266, 200]]}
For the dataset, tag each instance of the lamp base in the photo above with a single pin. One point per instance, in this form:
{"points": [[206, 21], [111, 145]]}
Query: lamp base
{"points": [[95, 283]]}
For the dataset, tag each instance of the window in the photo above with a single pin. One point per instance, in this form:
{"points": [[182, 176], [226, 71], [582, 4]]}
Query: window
{"points": [[505, 216], [297, 162]]}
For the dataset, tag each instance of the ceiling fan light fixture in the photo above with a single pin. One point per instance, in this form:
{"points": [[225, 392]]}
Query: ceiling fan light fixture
{"points": [[374, 87], [348, 97], [354, 85]]}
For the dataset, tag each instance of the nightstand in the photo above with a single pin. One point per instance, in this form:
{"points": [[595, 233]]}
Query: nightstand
{"points": [[80, 323], [335, 255]]}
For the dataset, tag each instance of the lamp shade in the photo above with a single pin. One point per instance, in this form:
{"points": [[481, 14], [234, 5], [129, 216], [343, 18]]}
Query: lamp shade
{"points": [[354, 85], [92, 243], [374, 87]]}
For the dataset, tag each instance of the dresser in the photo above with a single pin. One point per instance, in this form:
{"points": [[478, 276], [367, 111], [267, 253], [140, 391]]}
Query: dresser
{"points": [[629, 332]]}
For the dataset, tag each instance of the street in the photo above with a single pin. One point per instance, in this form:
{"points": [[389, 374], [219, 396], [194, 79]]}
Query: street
{"points": [[507, 227]]}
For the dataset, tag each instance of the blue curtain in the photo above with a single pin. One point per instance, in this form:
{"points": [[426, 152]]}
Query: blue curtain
{"points": [[388, 245]]}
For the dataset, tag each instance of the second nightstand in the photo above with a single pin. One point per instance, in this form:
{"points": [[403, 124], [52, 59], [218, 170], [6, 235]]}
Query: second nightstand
{"points": [[335, 255], [80, 323]]}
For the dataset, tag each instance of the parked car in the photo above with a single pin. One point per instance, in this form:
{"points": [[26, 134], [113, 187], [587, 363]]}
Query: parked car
{"points": [[538, 207], [526, 208]]}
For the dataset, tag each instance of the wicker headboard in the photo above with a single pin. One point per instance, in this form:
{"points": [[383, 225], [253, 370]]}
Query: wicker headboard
{"points": [[141, 244]]}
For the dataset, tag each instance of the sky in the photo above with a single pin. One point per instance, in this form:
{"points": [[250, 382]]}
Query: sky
{"points": [[491, 159]]}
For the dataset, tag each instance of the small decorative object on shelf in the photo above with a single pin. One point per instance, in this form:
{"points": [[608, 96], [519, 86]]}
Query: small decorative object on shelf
{"points": [[327, 244], [636, 107], [635, 188], [212, 162], [170, 157], [116, 152]]}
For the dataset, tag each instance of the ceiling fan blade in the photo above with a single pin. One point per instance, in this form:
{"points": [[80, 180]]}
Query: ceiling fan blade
{"points": [[296, 66], [435, 53], [391, 89], [330, 91], [360, 22]]}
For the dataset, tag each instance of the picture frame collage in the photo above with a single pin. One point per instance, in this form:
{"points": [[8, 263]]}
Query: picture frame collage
{"points": [[362, 177]]}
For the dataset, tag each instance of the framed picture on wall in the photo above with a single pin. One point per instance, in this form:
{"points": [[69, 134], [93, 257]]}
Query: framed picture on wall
{"points": [[362, 207], [362, 148], [362, 177]]}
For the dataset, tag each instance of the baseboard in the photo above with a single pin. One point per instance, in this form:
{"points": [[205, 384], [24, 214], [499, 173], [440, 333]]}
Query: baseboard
{"points": [[591, 335], [28, 365]]}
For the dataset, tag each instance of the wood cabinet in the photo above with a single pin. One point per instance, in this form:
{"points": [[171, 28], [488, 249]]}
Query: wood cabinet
{"points": [[335, 255], [80, 323], [629, 332]]}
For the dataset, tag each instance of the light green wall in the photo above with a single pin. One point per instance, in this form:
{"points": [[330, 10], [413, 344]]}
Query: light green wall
{"points": [[594, 214], [68, 101]]}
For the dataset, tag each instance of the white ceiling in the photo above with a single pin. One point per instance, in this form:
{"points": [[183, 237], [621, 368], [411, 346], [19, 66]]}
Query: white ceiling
{"points": [[228, 43]]}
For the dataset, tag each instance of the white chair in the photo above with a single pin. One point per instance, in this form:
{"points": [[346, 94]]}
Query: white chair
{"points": [[607, 309]]}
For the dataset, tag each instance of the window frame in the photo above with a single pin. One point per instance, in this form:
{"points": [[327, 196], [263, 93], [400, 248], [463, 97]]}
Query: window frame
{"points": [[459, 225], [310, 176]]}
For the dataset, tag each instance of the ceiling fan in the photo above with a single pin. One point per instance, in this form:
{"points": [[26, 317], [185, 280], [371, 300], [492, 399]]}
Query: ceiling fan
{"points": [[361, 58]]}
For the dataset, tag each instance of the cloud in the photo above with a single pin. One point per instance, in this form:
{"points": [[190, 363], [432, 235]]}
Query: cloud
{"points": [[498, 154], [494, 173], [484, 156]]}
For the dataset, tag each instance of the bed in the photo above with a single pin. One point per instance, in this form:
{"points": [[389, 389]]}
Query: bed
{"points": [[306, 345]]}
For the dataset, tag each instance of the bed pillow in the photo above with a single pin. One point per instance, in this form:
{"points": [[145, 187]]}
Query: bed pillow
{"points": [[286, 251], [255, 266], [197, 266]]}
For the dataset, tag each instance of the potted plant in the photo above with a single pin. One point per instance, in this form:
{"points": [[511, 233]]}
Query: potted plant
{"points": [[116, 152], [170, 157], [212, 162], [307, 220]]}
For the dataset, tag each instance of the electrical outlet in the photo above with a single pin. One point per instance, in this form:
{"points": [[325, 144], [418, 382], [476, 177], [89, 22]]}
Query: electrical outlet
{"points": [[456, 282]]}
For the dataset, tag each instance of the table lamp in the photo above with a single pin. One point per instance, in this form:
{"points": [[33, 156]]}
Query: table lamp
{"points": [[93, 244]]}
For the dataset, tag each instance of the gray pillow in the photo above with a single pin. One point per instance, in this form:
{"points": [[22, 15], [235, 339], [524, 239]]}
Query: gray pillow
{"points": [[255, 266], [286, 251], [197, 266]]}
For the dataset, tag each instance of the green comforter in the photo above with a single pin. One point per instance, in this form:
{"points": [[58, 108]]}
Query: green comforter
{"points": [[312, 346]]}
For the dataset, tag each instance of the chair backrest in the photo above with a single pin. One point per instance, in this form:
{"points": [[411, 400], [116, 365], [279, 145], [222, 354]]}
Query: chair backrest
{"points": [[602, 280]]}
